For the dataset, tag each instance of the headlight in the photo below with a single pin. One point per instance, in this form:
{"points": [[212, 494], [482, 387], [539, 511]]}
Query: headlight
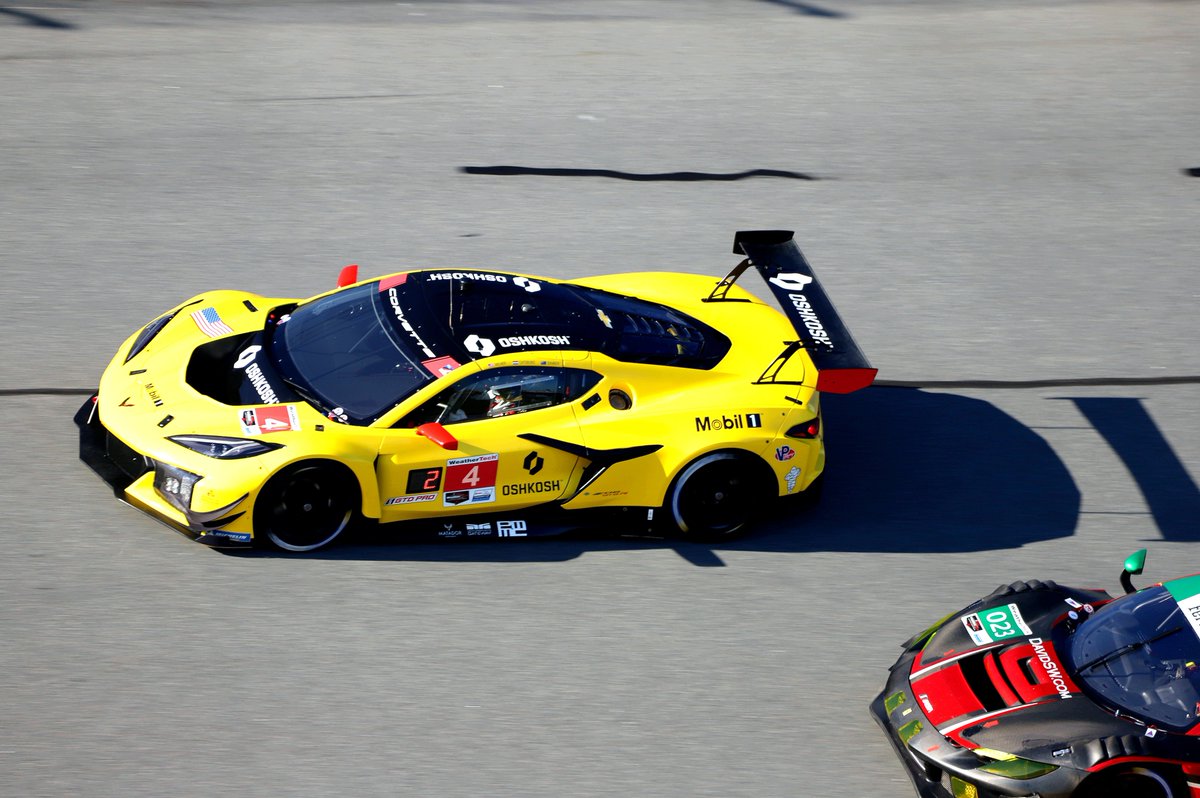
{"points": [[147, 334], [223, 448], [175, 485], [1012, 766]]}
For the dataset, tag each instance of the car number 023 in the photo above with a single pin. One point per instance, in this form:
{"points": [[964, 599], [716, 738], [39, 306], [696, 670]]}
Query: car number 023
{"points": [[998, 623]]}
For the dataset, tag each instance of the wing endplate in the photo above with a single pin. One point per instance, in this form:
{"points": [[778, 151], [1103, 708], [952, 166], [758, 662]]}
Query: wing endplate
{"points": [[841, 365]]}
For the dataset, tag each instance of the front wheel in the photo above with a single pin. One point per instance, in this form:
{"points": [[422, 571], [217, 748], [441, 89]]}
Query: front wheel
{"points": [[715, 496], [306, 506]]}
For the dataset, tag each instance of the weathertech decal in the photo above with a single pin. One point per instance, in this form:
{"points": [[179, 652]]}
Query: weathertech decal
{"points": [[737, 421], [471, 480], [277, 418]]}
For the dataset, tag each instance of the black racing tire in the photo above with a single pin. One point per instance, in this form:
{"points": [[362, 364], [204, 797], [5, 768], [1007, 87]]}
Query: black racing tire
{"points": [[717, 495], [306, 506], [1135, 782]]}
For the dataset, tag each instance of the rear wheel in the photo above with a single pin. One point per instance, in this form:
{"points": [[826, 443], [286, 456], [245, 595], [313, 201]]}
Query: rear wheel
{"points": [[715, 496], [306, 506], [1136, 782]]}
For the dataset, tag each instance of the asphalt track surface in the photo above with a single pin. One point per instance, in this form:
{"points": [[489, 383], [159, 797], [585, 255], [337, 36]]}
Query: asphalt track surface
{"points": [[1000, 198]]}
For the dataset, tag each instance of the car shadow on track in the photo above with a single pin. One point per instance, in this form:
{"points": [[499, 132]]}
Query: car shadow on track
{"points": [[909, 471]]}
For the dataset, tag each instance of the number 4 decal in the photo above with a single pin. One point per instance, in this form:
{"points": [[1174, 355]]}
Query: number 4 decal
{"points": [[468, 473]]}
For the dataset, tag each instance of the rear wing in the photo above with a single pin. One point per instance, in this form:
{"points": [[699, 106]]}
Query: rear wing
{"points": [[841, 365]]}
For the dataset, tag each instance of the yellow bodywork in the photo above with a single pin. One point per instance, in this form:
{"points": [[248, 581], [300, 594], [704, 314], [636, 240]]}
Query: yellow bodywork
{"points": [[689, 412]]}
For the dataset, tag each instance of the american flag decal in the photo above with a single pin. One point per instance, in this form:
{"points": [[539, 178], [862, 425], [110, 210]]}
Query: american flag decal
{"points": [[209, 322]]}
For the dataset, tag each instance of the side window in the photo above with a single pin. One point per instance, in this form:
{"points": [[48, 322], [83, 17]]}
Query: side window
{"points": [[503, 392]]}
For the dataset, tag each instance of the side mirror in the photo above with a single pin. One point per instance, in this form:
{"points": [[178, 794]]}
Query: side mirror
{"points": [[348, 275], [1134, 564], [438, 434]]}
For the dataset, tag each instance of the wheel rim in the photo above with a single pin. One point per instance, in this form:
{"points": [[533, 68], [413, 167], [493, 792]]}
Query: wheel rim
{"points": [[1144, 783], [715, 495], [307, 511]]}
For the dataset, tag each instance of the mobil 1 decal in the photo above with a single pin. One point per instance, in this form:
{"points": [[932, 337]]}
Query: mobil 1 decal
{"points": [[470, 480], [998, 623], [727, 421]]}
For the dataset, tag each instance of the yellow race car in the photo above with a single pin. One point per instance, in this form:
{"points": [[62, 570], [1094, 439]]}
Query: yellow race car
{"points": [[477, 403]]}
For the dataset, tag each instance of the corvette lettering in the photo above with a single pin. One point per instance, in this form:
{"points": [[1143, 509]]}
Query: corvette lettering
{"points": [[737, 421], [809, 316], [394, 301], [1052, 668], [542, 486]]}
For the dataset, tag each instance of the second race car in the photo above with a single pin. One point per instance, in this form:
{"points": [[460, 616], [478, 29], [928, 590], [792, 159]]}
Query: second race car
{"points": [[477, 403], [1044, 690]]}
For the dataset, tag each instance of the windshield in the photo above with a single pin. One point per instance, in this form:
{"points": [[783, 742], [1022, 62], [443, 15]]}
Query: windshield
{"points": [[1140, 654], [345, 353]]}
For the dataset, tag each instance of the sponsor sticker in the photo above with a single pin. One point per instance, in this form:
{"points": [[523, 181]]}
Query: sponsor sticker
{"points": [[1186, 593], [533, 463], [480, 346], [475, 530], [210, 323], [784, 453], [532, 286], [239, 537], [440, 366], [724, 422], [153, 394], [511, 529], [523, 488], [276, 418], [476, 276], [998, 623], [412, 498], [790, 478], [1043, 652]]}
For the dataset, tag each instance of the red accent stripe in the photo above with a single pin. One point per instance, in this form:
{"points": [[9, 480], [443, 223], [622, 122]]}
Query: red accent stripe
{"points": [[1122, 760], [845, 380]]}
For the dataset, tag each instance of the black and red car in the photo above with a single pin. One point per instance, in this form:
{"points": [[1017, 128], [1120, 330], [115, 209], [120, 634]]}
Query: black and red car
{"points": [[1044, 690]]}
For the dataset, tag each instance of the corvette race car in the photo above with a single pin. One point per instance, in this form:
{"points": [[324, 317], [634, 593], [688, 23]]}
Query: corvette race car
{"points": [[473, 403], [1043, 690]]}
